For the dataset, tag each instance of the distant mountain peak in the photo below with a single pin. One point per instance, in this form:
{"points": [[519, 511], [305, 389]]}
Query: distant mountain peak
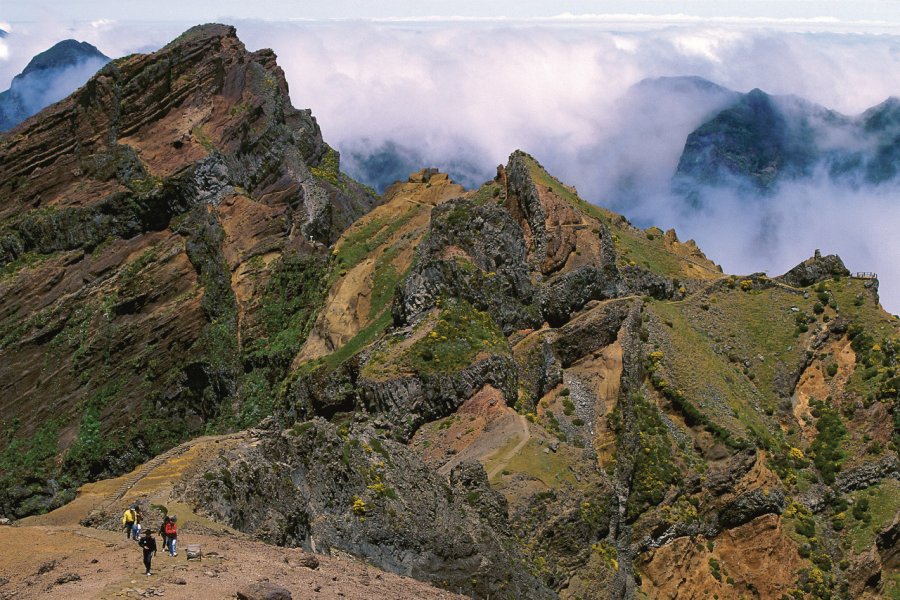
{"points": [[47, 78], [66, 53]]}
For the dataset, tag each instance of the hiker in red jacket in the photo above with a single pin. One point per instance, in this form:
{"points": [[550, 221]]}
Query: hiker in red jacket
{"points": [[162, 533], [172, 534]]}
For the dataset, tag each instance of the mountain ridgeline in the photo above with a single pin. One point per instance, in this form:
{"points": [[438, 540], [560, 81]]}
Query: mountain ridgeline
{"points": [[505, 391]]}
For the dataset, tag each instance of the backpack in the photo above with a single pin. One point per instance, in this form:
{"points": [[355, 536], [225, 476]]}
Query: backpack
{"points": [[128, 517]]}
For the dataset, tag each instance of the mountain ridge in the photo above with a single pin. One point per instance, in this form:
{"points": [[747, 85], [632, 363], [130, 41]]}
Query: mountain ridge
{"points": [[507, 391]]}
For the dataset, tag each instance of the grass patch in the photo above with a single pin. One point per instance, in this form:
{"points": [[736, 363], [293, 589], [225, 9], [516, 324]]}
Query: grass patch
{"points": [[714, 386], [883, 504], [385, 278], [365, 236], [458, 335], [552, 468]]}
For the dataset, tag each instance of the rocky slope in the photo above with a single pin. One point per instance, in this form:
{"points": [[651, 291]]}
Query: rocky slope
{"points": [[49, 77], [163, 232], [506, 392]]}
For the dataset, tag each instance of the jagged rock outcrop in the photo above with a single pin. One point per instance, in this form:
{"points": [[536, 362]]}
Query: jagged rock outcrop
{"points": [[475, 253], [815, 269], [315, 487], [594, 331], [868, 474], [404, 404]]}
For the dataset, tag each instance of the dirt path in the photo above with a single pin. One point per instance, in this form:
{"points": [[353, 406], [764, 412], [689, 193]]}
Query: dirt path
{"points": [[65, 563], [526, 435]]}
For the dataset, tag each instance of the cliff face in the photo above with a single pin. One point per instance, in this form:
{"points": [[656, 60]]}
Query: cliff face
{"points": [[506, 391], [156, 228]]}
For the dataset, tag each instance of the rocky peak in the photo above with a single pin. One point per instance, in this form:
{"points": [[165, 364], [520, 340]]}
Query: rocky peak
{"points": [[815, 269], [178, 191]]}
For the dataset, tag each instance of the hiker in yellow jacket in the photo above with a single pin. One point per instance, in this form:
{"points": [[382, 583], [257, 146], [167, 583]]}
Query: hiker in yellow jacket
{"points": [[129, 517]]}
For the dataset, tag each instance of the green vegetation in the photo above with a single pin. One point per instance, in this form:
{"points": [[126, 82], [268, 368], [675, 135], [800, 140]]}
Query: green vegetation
{"points": [[551, 468], [288, 306], [692, 415], [826, 448], [365, 236], [203, 138], [873, 510], [329, 168], [457, 335], [714, 386], [385, 278], [86, 457], [26, 459], [25, 261], [654, 469], [486, 193], [715, 568]]}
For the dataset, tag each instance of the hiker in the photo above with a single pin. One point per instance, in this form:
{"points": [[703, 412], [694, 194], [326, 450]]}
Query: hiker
{"points": [[128, 521], [172, 535], [162, 533], [136, 528], [148, 543]]}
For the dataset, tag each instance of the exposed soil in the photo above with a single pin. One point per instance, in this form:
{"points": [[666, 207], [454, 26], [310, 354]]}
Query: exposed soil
{"points": [[693, 568], [111, 567], [482, 428]]}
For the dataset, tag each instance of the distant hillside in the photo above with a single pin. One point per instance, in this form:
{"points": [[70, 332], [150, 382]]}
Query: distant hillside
{"points": [[761, 140], [49, 77]]}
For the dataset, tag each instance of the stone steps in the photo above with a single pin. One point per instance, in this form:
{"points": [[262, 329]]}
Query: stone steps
{"points": [[152, 464]]}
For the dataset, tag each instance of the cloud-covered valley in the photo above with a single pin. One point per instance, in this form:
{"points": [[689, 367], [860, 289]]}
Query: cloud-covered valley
{"points": [[394, 96]]}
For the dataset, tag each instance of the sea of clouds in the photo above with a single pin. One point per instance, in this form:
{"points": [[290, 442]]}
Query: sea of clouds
{"points": [[461, 95]]}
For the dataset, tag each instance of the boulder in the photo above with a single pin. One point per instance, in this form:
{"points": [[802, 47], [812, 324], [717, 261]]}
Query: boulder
{"points": [[264, 590]]}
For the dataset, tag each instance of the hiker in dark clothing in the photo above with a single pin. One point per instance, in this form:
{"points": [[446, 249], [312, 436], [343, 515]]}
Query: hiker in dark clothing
{"points": [[148, 543]]}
